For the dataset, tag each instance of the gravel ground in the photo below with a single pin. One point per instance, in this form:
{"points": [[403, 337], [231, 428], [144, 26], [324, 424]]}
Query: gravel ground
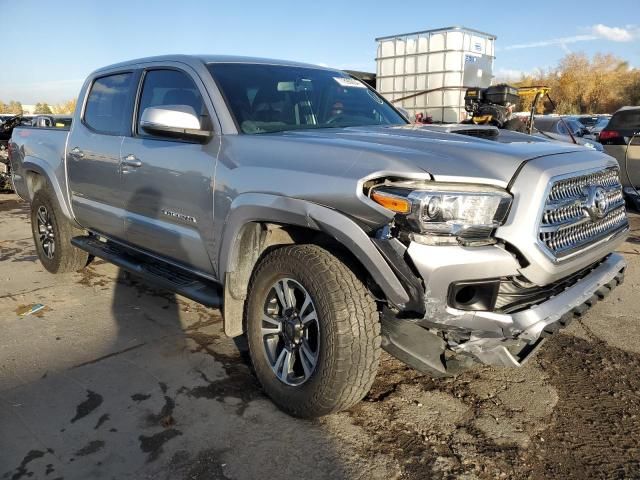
{"points": [[113, 379]]}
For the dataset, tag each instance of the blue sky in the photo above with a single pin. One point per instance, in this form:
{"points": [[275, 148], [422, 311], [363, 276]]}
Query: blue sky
{"points": [[50, 46]]}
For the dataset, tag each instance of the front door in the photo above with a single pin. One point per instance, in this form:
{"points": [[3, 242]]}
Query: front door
{"points": [[168, 183], [93, 154]]}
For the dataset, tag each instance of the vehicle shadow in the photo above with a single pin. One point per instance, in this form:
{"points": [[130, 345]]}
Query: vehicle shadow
{"points": [[196, 403], [148, 386]]}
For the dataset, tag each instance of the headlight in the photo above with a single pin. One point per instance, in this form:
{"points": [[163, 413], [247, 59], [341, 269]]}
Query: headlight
{"points": [[465, 212]]}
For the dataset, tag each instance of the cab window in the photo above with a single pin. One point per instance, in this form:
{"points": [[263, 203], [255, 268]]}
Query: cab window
{"points": [[106, 110]]}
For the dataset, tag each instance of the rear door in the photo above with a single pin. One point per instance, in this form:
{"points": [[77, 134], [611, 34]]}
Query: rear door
{"points": [[93, 153], [167, 182]]}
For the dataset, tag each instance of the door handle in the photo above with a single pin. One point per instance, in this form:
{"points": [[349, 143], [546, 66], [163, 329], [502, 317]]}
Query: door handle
{"points": [[131, 161], [76, 153]]}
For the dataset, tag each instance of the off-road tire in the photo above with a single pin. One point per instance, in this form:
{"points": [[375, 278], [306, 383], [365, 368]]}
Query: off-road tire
{"points": [[348, 321], [66, 257]]}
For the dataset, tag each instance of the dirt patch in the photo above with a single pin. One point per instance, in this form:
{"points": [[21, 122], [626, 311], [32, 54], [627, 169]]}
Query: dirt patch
{"points": [[103, 418], [92, 447], [573, 412], [595, 428], [90, 278], [152, 445], [428, 425], [22, 310], [13, 203], [165, 416], [22, 470], [7, 253], [206, 465], [140, 397], [92, 402]]}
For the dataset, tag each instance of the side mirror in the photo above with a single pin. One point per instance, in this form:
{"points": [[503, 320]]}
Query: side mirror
{"points": [[175, 121]]}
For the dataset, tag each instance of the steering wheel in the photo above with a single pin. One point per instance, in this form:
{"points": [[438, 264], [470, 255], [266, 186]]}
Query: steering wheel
{"points": [[335, 118]]}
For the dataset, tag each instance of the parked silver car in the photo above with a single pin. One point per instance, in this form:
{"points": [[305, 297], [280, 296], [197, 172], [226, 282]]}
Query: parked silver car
{"points": [[565, 129], [621, 140]]}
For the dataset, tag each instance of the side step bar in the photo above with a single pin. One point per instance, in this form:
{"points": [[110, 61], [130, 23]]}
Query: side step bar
{"points": [[161, 274]]}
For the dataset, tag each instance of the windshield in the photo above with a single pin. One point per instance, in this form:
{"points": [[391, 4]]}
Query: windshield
{"points": [[272, 98], [575, 126]]}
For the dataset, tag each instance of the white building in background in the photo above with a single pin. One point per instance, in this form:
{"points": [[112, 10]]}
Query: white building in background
{"points": [[28, 109], [428, 72]]}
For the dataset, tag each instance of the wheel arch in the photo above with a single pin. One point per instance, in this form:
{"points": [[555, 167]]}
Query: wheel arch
{"points": [[257, 222], [39, 175]]}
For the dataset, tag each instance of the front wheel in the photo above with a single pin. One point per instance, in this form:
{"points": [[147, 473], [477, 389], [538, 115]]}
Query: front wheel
{"points": [[313, 331], [52, 233]]}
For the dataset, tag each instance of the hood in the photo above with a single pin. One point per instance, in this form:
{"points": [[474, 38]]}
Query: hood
{"points": [[445, 156]]}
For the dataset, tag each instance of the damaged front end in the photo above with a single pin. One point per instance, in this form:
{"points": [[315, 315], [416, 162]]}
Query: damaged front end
{"points": [[470, 301]]}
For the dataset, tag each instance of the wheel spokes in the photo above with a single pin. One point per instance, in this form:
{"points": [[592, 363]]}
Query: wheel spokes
{"points": [[305, 304], [42, 217], [284, 365], [45, 232], [309, 317], [274, 326], [290, 332], [285, 294]]}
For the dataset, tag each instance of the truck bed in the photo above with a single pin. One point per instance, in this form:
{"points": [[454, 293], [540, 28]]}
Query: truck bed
{"points": [[44, 148]]}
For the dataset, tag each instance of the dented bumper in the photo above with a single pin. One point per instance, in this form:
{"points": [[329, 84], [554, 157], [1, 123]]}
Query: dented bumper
{"points": [[496, 337]]}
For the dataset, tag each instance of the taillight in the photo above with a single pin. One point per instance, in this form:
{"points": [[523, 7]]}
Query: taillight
{"points": [[608, 135]]}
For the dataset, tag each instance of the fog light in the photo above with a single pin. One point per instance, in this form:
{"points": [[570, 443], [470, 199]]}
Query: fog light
{"points": [[477, 295]]}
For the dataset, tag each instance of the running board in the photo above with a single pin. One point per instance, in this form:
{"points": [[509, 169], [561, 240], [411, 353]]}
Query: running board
{"points": [[163, 275]]}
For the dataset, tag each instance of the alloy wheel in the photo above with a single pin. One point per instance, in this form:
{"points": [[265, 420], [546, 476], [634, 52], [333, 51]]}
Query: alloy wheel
{"points": [[46, 234], [290, 332]]}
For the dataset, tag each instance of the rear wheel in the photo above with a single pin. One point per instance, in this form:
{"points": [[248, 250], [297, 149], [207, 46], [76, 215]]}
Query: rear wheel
{"points": [[52, 233], [313, 331]]}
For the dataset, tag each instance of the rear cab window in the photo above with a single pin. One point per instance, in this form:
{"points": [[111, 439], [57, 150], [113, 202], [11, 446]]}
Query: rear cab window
{"points": [[107, 110]]}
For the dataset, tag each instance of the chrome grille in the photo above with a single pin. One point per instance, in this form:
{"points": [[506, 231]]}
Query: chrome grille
{"points": [[582, 211]]}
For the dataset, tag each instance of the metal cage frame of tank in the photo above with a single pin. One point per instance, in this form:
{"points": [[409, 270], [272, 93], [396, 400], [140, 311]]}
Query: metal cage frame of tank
{"points": [[415, 98]]}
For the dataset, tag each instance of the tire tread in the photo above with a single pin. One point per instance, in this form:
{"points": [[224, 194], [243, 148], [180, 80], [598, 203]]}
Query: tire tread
{"points": [[354, 353]]}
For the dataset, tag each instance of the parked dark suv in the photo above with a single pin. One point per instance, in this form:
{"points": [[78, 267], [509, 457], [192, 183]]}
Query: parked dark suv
{"points": [[621, 139]]}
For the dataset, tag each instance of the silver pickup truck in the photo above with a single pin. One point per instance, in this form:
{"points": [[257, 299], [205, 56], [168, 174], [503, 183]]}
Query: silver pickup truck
{"points": [[325, 224]]}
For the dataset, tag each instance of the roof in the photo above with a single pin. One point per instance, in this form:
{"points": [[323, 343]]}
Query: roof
{"points": [[200, 59], [435, 30]]}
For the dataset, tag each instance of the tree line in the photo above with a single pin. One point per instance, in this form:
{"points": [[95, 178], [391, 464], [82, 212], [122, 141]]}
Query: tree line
{"points": [[579, 84], [14, 107]]}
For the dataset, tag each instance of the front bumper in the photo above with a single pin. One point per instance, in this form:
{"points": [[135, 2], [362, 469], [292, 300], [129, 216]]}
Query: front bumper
{"points": [[500, 338]]}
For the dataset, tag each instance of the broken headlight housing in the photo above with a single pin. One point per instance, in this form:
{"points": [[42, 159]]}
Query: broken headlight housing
{"points": [[445, 213]]}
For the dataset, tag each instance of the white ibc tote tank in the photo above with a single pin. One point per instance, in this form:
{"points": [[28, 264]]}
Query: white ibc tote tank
{"points": [[428, 72]]}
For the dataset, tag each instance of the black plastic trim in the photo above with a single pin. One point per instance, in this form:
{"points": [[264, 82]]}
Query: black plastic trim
{"points": [[485, 294], [414, 345], [394, 253], [156, 272]]}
